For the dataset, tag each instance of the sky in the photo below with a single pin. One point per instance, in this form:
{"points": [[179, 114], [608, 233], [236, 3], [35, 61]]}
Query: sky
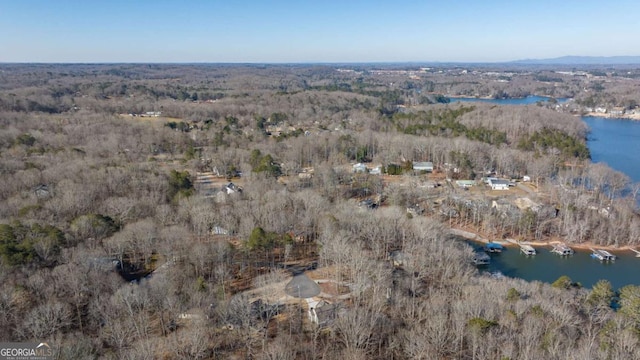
{"points": [[319, 31]]}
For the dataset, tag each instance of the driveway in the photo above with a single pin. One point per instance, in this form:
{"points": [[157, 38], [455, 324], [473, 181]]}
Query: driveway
{"points": [[302, 287]]}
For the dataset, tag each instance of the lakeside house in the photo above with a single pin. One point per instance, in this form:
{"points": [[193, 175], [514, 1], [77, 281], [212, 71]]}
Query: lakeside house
{"points": [[618, 111]]}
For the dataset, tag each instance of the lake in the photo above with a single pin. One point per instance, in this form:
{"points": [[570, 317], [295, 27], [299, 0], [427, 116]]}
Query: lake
{"points": [[512, 101], [615, 142], [580, 267]]}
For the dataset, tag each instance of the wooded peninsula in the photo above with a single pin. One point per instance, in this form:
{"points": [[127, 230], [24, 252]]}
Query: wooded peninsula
{"points": [[206, 211]]}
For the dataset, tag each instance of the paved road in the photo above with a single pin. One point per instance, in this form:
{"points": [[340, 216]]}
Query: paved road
{"points": [[302, 287]]}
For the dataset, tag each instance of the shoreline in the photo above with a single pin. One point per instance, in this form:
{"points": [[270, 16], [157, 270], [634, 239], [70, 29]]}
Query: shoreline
{"points": [[634, 117], [512, 242], [507, 98]]}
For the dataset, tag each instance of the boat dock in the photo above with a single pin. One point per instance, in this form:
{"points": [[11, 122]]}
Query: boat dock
{"points": [[562, 250], [493, 247], [527, 249], [481, 258], [602, 255]]}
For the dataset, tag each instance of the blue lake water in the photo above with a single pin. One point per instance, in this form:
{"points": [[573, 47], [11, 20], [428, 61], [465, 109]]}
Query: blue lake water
{"points": [[515, 101], [580, 267], [617, 143]]}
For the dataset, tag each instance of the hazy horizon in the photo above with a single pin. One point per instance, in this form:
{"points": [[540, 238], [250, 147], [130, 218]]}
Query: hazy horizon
{"points": [[515, 62], [288, 32]]}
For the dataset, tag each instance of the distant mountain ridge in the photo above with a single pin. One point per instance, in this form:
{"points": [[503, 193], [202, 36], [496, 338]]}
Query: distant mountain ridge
{"points": [[582, 60]]}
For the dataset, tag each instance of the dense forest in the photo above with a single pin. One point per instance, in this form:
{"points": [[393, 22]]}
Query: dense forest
{"points": [[158, 211]]}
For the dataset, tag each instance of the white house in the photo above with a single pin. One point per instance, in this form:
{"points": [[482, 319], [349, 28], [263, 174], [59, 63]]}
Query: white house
{"points": [[231, 188], [465, 184], [616, 112], [526, 178], [497, 184], [359, 168], [423, 166]]}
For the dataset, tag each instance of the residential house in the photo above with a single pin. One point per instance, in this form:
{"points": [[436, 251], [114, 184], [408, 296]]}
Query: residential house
{"points": [[359, 168], [42, 191], [423, 166], [488, 180], [415, 210], [231, 188], [398, 258], [326, 313], [497, 184], [617, 111], [502, 205], [217, 230], [103, 263], [465, 183], [321, 312], [368, 203], [306, 173]]}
